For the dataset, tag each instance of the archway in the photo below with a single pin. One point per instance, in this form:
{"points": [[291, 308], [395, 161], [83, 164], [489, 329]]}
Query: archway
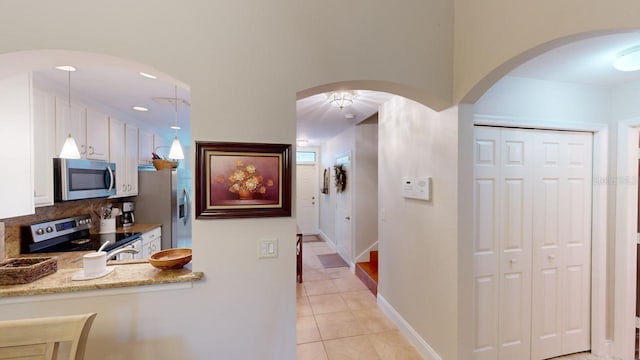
{"points": [[612, 310]]}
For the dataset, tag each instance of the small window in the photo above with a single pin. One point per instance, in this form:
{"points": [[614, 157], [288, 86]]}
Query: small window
{"points": [[305, 157]]}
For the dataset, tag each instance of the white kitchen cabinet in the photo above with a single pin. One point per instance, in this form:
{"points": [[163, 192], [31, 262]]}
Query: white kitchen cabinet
{"points": [[74, 123], [97, 135], [16, 147], [151, 242], [117, 155], [123, 151], [131, 161], [161, 145], [44, 150], [145, 147]]}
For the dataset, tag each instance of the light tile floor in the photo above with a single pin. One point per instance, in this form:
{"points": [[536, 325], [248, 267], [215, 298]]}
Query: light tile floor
{"points": [[338, 318]]}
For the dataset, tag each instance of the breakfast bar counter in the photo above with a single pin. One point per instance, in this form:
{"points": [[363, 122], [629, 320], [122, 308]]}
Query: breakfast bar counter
{"points": [[125, 274]]}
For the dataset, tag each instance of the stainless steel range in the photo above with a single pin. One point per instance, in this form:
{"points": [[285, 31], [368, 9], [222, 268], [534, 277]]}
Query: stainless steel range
{"points": [[70, 234]]}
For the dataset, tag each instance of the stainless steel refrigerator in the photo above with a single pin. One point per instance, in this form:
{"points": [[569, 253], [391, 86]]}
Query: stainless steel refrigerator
{"points": [[164, 197]]}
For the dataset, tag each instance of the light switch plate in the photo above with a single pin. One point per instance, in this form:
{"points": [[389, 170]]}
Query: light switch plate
{"points": [[267, 248]]}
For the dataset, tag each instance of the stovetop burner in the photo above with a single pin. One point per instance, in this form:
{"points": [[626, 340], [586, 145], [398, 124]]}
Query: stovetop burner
{"points": [[70, 234]]}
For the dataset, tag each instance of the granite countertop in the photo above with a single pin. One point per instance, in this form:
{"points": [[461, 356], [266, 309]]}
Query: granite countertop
{"points": [[141, 228], [127, 273], [131, 273]]}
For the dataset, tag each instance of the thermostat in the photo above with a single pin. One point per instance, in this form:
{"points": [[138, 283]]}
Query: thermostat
{"points": [[416, 188]]}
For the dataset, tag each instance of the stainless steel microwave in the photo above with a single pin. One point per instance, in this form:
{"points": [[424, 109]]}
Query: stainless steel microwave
{"points": [[75, 179]]}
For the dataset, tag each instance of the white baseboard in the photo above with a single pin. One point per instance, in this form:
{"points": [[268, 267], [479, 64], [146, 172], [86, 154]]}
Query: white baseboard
{"points": [[425, 350]]}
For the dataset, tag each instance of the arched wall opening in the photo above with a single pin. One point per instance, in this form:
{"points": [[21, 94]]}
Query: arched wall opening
{"points": [[415, 238], [605, 112]]}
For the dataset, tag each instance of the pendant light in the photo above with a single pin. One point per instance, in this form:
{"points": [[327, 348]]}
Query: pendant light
{"points": [[70, 148], [176, 149]]}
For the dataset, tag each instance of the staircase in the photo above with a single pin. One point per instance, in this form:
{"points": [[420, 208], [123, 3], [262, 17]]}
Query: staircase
{"points": [[367, 272]]}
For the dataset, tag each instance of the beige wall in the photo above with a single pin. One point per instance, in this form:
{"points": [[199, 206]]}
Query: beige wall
{"points": [[365, 199], [244, 62], [417, 239], [493, 33]]}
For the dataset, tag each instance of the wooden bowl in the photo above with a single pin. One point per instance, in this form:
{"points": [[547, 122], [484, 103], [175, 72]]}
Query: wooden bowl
{"points": [[170, 258]]}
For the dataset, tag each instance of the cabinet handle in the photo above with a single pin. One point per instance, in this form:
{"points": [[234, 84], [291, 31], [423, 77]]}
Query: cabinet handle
{"points": [[551, 257], [129, 187], [84, 149], [91, 152]]}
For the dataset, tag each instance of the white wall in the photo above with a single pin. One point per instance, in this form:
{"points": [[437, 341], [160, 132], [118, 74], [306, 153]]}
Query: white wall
{"points": [[365, 179], [244, 63], [418, 239], [545, 101]]}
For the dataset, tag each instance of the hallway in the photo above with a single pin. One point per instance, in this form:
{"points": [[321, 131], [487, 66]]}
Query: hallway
{"points": [[338, 318]]}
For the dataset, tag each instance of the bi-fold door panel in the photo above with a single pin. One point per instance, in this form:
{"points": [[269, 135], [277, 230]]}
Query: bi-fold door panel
{"points": [[502, 245], [561, 244], [532, 243]]}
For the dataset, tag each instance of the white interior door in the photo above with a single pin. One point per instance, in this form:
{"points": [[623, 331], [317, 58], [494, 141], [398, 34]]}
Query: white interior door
{"points": [[531, 248], [306, 198], [343, 228], [502, 246], [562, 244]]}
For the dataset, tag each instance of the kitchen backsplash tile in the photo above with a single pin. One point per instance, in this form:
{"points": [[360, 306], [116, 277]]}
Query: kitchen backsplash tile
{"points": [[59, 210]]}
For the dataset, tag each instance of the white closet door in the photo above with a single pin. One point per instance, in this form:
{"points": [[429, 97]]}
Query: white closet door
{"points": [[515, 244], [532, 243], [502, 244], [562, 244], [486, 247]]}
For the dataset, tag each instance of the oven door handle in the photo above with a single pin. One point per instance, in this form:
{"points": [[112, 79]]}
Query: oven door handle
{"points": [[111, 179]]}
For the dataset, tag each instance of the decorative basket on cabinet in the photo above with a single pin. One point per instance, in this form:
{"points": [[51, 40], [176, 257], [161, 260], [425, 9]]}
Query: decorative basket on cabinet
{"points": [[160, 164]]}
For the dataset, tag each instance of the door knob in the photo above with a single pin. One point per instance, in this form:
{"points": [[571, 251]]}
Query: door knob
{"points": [[347, 218], [551, 257], [513, 261]]}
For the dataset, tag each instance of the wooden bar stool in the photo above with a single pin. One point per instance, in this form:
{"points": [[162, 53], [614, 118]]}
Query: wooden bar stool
{"points": [[40, 338]]}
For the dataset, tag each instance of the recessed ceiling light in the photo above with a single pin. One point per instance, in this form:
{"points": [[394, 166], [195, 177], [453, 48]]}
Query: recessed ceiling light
{"points": [[66, 68], [628, 60], [303, 142], [349, 116], [139, 108], [175, 127], [148, 76]]}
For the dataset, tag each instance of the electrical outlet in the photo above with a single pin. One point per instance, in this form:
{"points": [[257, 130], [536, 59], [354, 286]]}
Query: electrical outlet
{"points": [[267, 248]]}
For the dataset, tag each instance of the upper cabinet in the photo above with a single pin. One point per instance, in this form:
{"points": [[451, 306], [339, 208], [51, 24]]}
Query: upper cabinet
{"points": [[89, 128], [145, 147], [44, 112], [71, 120], [16, 148], [97, 135], [123, 151]]}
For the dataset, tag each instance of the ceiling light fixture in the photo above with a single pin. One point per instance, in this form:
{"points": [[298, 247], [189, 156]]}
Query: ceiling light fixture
{"points": [[148, 76], [303, 142], [70, 148], [176, 149], [140, 108], [66, 68], [628, 60], [342, 99]]}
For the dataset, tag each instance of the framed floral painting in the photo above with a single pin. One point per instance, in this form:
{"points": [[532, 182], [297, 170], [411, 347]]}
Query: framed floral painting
{"points": [[242, 180]]}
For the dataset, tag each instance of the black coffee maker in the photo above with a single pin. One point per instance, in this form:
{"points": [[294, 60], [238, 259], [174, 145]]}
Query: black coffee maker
{"points": [[126, 218]]}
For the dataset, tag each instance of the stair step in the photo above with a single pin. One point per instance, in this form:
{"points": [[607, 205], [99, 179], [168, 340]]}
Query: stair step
{"points": [[367, 272], [373, 256]]}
